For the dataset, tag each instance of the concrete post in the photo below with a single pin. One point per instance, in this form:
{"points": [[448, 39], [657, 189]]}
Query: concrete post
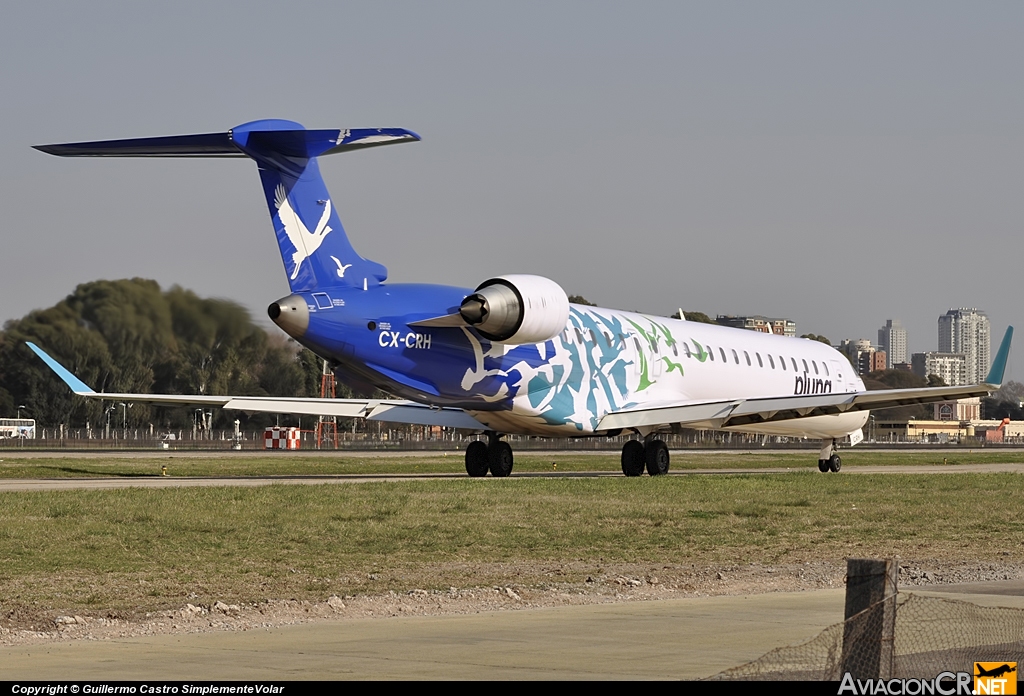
{"points": [[870, 618]]}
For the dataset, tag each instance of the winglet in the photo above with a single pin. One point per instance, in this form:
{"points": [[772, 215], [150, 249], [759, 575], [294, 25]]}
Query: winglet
{"points": [[995, 375], [77, 385]]}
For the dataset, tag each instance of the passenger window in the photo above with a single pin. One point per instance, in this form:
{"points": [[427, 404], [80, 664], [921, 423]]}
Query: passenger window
{"points": [[760, 363], [815, 366], [686, 349], [747, 356], [579, 336], [782, 361], [771, 361], [795, 368], [721, 351], [637, 344], [806, 369], [736, 357], [711, 353], [593, 337], [675, 350], [826, 368]]}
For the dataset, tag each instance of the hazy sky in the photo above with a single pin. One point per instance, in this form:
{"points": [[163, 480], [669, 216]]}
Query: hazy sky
{"points": [[835, 163]]}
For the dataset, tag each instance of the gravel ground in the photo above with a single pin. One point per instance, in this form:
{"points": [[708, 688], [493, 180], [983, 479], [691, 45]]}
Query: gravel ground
{"points": [[614, 584]]}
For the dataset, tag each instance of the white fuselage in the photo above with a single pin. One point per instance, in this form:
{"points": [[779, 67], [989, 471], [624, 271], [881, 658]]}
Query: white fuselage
{"points": [[608, 360]]}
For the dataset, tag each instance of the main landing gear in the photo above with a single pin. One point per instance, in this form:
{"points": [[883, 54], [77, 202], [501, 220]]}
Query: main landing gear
{"points": [[494, 456], [636, 456], [828, 459]]}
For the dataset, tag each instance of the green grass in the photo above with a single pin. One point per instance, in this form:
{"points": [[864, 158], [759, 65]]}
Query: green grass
{"points": [[297, 464], [139, 549]]}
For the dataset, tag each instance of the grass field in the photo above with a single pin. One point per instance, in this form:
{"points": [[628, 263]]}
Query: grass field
{"points": [[287, 463], [135, 550]]}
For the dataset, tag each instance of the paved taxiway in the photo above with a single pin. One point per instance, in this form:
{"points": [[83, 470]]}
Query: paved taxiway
{"points": [[251, 481], [666, 639]]}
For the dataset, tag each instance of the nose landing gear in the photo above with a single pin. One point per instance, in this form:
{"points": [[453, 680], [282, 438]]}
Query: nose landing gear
{"points": [[828, 459]]}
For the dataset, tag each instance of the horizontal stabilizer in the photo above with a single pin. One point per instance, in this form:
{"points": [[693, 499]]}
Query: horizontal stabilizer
{"points": [[238, 142], [200, 145]]}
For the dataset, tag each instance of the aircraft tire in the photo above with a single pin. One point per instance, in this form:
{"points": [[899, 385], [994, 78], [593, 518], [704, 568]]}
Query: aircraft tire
{"points": [[633, 458], [500, 459], [823, 466], [835, 463], [657, 457], [477, 460]]}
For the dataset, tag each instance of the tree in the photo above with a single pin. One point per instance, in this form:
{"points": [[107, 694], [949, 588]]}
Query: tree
{"points": [[1004, 403], [899, 379], [129, 336], [700, 317], [816, 337], [580, 300]]}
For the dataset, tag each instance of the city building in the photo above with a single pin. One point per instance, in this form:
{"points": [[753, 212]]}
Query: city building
{"points": [[958, 410], [892, 338], [876, 360], [863, 356], [966, 331], [951, 367], [780, 327]]}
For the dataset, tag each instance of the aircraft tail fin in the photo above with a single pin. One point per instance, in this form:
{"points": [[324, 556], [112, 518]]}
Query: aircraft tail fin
{"points": [[314, 247]]}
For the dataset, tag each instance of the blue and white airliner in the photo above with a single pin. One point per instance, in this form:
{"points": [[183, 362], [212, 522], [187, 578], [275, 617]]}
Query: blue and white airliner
{"points": [[513, 355]]}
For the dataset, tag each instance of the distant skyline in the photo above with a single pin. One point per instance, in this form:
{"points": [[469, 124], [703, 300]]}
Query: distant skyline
{"points": [[837, 164]]}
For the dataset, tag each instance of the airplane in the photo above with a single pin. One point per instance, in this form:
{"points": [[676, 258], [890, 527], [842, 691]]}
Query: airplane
{"points": [[512, 355], [995, 671]]}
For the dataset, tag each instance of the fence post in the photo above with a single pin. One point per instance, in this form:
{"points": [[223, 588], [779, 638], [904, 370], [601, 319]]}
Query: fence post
{"points": [[870, 623]]}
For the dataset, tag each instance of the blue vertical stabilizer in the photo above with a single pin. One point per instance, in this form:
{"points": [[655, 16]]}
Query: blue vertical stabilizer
{"points": [[314, 247]]}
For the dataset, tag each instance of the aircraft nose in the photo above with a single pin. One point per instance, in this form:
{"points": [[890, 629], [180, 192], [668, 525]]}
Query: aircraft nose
{"points": [[291, 314]]}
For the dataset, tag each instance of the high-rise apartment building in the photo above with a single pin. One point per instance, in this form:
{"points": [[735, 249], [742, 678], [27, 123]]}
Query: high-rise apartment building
{"points": [[967, 331], [951, 367], [892, 338]]}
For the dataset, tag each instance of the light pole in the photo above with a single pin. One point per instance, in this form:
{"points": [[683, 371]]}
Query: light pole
{"points": [[124, 420], [21, 431]]}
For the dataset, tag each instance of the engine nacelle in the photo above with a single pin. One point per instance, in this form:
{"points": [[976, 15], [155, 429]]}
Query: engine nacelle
{"points": [[517, 309]]}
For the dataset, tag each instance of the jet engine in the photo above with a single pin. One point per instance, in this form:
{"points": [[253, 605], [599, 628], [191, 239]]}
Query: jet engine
{"points": [[517, 309]]}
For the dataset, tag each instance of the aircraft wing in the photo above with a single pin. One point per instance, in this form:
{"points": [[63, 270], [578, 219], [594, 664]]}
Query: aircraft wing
{"points": [[740, 412], [385, 410]]}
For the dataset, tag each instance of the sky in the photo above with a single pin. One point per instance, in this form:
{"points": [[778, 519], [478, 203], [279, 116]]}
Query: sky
{"points": [[838, 164]]}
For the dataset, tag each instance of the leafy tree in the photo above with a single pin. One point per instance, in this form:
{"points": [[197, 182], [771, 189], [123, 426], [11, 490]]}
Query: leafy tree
{"points": [[899, 379], [700, 317], [129, 336], [1004, 403], [580, 300], [816, 337]]}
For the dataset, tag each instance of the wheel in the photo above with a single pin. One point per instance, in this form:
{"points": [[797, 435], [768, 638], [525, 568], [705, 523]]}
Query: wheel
{"points": [[835, 463], [633, 458], [500, 459], [657, 458], [476, 459], [823, 465]]}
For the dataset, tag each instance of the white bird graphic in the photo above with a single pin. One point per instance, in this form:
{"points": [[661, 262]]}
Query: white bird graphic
{"points": [[304, 241], [341, 268]]}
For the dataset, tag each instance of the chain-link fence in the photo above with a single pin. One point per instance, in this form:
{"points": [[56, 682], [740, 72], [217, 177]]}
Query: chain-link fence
{"points": [[932, 635]]}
